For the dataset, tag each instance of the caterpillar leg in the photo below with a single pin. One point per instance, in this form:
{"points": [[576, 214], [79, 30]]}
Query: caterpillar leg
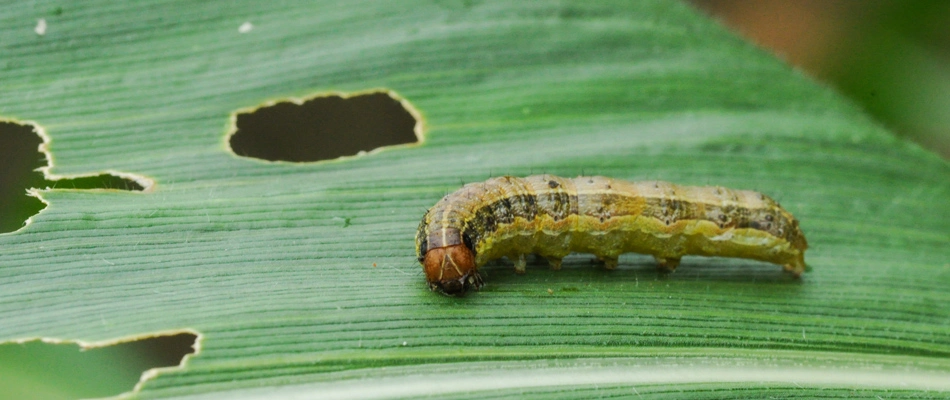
{"points": [[521, 265], [555, 263], [796, 266], [668, 264], [794, 269], [475, 281], [610, 263]]}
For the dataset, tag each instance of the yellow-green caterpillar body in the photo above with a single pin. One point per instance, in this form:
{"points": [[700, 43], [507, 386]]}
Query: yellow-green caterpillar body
{"points": [[553, 216]]}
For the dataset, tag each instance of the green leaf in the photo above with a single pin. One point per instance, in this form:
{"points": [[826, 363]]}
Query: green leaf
{"points": [[290, 300]]}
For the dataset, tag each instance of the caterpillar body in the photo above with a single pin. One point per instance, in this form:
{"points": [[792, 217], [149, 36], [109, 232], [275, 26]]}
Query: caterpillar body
{"points": [[553, 216]]}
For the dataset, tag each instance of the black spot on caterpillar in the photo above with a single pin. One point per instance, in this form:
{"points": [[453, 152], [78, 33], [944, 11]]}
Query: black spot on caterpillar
{"points": [[553, 216]]}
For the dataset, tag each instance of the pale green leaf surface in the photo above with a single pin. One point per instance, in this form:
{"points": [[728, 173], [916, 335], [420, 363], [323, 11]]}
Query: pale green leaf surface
{"points": [[257, 258]]}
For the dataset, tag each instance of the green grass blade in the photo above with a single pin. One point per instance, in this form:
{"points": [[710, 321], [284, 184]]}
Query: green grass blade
{"points": [[302, 278]]}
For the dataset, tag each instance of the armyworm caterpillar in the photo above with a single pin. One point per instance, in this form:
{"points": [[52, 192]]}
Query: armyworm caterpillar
{"points": [[553, 216]]}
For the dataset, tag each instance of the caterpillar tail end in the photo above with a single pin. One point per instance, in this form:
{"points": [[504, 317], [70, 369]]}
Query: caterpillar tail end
{"points": [[797, 266], [795, 269]]}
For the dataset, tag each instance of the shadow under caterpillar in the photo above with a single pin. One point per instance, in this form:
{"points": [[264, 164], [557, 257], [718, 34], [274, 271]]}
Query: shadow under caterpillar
{"points": [[553, 216]]}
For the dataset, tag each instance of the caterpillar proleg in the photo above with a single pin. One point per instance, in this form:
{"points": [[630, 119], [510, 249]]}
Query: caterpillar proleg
{"points": [[553, 216]]}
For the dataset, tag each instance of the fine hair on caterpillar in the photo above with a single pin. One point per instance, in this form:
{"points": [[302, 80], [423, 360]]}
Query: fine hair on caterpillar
{"points": [[552, 216]]}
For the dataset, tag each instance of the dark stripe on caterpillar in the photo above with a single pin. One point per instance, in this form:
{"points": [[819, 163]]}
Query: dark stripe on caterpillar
{"points": [[553, 216]]}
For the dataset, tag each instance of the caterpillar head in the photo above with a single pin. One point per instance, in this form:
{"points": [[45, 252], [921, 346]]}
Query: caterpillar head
{"points": [[448, 260], [451, 269]]}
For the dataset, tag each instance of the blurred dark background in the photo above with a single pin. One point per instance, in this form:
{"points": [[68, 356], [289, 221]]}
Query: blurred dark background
{"points": [[890, 56]]}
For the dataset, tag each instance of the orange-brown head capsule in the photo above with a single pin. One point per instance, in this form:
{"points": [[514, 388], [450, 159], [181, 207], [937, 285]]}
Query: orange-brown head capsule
{"points": [[451, 269], [448, 261]]}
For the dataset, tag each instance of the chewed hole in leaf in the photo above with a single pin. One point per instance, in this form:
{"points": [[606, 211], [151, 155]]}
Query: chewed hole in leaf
{"points": [[38, 369], [325, 127], [19, 160], [21, 165], [104, 181]]}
